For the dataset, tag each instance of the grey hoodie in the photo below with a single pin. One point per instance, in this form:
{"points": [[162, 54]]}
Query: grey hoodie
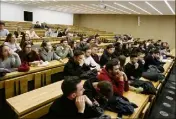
{"points": [[48, 56]]}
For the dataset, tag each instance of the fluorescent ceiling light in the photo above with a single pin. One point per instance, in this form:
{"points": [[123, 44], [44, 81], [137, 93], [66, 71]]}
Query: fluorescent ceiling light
{"points": [[153, 7], [139, 7], [169, 6], [117, 9], [126, 7]]}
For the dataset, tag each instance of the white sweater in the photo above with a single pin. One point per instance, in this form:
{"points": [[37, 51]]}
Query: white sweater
{"points": [[90, 61]]}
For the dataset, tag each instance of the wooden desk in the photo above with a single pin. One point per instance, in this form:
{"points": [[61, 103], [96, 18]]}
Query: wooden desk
{"points": [[139, 99], [51, 65]]}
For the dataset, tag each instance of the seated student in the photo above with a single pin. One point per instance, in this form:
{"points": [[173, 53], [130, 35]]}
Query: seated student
{"points": [[76, 66], [59, 32], [118, 49], [27, 54], [37, 25], [9, 61], [47, 53], [94, 51], [122, 60], [18, 32], [72, 44], [72, 104], [157, 44], [11, 43], [97, 39], [32, 33], [112, 74], [91, 40], [89, 60], [83, 44], [108, 54], [25, 39], [126, 50], [152, 59], [3, 32], [48, 32], [66, 31], [64, 50], [98, 92], [134, 68], [44, 25]]}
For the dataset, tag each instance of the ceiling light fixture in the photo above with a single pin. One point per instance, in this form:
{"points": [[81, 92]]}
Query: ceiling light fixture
{"points": [[139, 7], [126, 7], [169, 6], [105, 8], [153, 7]]}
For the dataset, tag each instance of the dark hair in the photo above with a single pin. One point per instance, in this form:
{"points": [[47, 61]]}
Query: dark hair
{"points": [[122, 60], [105, 88], [90, 38], [24, 45], [86, 48], [133, 56], [2, 23], [97, 36], [1, 48], [63, 40], [8, 38], [69, 85], [78, 52], [111, 64], [23, 40], [44, 43], [110, 46]]}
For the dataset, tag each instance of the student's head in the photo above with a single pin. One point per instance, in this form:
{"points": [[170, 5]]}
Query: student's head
{"points": [[27, 48], [64, 42], [37, 22], [87, 51], [83, 40], [25, 39], [94, 49], [72, 87], [72, 44], [110, 49], [46, 45], [155, 53], [4, 51], [113, 66], [78, 56], [118, 45], [133, 58], [91, 40], [97, 37], [105, 89], [163, 44], [122, 60], [10, 38], [2, 24]]}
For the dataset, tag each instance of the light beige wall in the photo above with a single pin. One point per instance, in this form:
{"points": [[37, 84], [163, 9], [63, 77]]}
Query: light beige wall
{"points": [[155, 27]]}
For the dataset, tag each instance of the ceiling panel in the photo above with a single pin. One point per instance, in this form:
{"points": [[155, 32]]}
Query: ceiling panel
{"points": [[98, 6]]}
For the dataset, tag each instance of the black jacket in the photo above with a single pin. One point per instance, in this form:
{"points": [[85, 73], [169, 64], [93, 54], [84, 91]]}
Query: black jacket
{"points": [[150, 60], [105, 58], [17, 34], [63, 108], [73, 69], [131, 71]]}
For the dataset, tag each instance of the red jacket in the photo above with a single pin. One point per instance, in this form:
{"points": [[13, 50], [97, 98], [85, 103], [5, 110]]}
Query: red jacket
{"points": [[118, 86]]}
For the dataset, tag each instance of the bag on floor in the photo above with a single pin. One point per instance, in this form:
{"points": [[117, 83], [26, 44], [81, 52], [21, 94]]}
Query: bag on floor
{"points": [[148, 87]]}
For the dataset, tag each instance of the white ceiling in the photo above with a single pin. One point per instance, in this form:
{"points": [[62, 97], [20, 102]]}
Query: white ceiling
{"points": [[97, 6]]}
